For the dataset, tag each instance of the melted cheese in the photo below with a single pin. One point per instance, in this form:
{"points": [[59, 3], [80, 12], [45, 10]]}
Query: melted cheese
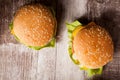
{"points": [[77, 30], [12, 31]]}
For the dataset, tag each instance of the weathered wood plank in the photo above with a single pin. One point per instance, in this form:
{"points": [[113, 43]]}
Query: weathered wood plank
{"points": [[17, 64]]}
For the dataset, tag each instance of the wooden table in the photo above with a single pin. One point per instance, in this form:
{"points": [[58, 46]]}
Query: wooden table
{"points": [[18, 62]]}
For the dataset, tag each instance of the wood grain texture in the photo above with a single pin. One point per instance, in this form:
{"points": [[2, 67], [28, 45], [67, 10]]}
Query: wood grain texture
{"points": [[18, 62]]}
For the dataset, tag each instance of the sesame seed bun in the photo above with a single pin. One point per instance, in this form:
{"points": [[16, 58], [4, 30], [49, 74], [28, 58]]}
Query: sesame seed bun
{"points": [[34, 25], [93, 46]]}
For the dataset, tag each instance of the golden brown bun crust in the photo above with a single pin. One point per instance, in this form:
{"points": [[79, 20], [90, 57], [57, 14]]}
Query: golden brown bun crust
{"points": [[93, 46], [34, 25]]}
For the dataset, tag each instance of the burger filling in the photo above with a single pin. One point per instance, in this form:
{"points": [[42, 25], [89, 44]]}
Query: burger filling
{"points": [[73, 29], [49, 44]]}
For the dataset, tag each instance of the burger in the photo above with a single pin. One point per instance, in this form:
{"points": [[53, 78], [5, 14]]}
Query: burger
{"points": [[90, 46], [34, 25]]}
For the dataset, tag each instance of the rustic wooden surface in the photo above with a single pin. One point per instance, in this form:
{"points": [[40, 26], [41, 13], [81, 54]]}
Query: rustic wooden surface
{"points": [[18, 62]]}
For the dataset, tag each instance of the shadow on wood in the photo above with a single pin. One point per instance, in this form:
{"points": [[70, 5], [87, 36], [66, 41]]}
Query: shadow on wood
{"points": [[105, 77], [49, 3], [60, 19], [84, 19]]}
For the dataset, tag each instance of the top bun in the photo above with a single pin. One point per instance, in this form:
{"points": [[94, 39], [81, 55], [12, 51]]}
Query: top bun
{"points": [[93, 46], [34, 25]]}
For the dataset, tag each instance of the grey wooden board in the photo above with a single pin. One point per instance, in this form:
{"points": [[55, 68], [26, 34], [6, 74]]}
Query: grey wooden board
{"points": [[18, 62]]}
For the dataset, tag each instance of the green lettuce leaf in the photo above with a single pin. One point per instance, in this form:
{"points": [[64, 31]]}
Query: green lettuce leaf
{"points": [[71, 27], [92, 72], [50, 44], [11, 26], [71, 56]]}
